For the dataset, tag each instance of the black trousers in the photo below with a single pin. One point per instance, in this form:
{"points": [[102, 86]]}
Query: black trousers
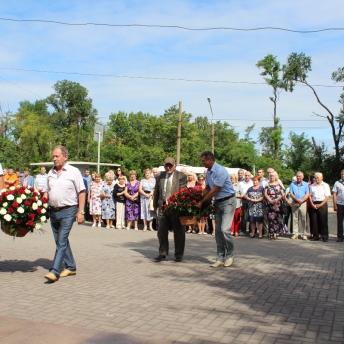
{"points": [[165, 224], [286, 219], [320, 221], [340, 218], [243, 223]]}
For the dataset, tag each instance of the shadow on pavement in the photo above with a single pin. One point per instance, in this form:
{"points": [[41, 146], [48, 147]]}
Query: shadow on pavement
{"points": [[24, 265], [295, 285]]}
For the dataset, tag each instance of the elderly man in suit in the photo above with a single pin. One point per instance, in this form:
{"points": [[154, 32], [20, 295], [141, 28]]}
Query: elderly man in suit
{"points": [[167, 183]]}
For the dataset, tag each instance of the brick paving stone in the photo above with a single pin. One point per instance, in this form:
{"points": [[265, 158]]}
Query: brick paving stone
{"points": [[274, 292]]}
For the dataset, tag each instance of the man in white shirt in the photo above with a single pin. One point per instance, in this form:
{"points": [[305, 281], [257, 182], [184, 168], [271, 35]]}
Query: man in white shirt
{"points": [[244, 186], [65, 191], [338, 205], [319, 195]]}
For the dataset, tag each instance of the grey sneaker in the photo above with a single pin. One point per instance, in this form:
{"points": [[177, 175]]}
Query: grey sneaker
{"points": [[242, 234]]}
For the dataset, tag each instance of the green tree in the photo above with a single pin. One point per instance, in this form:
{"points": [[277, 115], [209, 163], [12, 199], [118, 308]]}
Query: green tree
{"points": [[73, 116], [299, 154], [37, 138], [271, 140], [296, 70], [271, 71], [10, 154]]}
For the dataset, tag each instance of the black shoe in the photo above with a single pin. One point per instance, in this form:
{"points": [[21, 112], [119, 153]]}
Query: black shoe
{"points": [[178, 259], [324, 240], [339, 240], [160, 258], [314, 239]]}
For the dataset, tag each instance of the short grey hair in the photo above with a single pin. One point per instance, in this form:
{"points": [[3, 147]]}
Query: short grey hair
{"points": [[318, 174], [63, 149]]}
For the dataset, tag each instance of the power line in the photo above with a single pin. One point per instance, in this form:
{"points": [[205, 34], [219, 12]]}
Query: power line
{"points": [[268, 120], [20, 87], [175, 26], [152, 78]]}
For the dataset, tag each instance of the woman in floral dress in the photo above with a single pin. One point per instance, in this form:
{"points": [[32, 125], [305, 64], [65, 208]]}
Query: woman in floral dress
{"points": [[95, 200], [132, 204], [274, 193], [146, 189], [255, 197], [108, 204]]}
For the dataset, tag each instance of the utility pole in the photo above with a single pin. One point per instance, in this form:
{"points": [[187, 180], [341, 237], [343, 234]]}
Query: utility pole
{"points": [[212, 126], [179, 135], [98, 136]]}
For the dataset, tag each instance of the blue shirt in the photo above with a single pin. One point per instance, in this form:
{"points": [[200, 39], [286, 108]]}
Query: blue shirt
{"points": [[88, 180], [219, 176], [299, 190]]}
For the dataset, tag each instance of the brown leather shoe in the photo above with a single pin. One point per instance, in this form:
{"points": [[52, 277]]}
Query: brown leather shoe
{"points": [[51, 277], [66, 273]]}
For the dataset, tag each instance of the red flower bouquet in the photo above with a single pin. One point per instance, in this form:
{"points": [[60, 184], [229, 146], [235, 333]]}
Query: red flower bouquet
{"points": [[21, 210], [183, 203]]}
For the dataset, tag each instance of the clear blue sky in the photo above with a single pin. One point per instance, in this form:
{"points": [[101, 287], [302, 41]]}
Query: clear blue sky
{"points": [[173, 53]]}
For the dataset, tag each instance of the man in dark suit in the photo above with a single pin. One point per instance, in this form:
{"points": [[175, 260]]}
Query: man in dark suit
{"points": [[168, 183]]}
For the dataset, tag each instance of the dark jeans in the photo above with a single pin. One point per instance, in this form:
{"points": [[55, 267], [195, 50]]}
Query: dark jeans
{"points": [[286, 219], [243, 223], [167, 223], [61, 224], [320, 221], [309, 211], [88, 217], [340, 218]]}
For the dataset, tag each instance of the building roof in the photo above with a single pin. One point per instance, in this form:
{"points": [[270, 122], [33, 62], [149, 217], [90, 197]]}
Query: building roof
{"points": [[74, 163]]}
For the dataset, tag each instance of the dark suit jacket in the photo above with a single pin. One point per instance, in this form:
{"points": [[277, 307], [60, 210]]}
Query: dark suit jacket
{"points": [[178, 182]]}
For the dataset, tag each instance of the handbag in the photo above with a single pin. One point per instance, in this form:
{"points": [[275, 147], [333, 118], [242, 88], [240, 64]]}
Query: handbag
{"points": [[284, 207], [151, 204]]}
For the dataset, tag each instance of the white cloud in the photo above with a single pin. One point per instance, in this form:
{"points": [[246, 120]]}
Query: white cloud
{"points": [[172, 53]]}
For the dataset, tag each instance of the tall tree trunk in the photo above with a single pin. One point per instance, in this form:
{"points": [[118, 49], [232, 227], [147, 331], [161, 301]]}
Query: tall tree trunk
{"points": [[331, 119], [275, 153]]}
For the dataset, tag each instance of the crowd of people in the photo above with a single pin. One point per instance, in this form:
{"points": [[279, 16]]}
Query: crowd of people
{"points": [[244, 204], [263, 206]]}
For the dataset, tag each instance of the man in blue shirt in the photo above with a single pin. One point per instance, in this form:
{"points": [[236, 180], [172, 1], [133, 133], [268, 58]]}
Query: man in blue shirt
{"points": [[299, 192], [219, 186]]}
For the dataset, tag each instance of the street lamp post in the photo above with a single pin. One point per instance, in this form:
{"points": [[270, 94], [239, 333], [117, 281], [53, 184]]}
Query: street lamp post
{"points": [[212, 126]]}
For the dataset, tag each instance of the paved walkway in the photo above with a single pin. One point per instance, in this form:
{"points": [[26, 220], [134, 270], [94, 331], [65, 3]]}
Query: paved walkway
{"points": [[283, 291]]}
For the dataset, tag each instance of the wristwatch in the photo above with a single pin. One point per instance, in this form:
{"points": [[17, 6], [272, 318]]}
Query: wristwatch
{"points": [[81, 212]]}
